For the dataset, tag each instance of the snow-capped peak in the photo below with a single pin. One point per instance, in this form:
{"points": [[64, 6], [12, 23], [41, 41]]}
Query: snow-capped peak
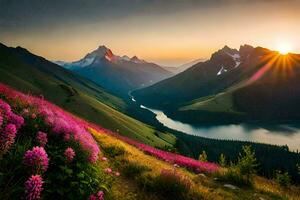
{"points": [[125, 58], [135, 59]]}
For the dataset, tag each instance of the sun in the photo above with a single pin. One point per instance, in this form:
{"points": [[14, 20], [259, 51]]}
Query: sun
{"points": [[284, 48]]}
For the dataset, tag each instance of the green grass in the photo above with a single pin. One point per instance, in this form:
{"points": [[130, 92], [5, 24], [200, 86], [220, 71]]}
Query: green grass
{"points": [[75, 94], [140, 173], [221, 102]]}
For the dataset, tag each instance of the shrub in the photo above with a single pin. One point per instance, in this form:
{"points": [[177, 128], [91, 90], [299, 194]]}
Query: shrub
{"points": [[203, 156], [133, 169], [168, 184], [232, 175], [283, 179], [114, 151], [222, 160], [247, 162]]}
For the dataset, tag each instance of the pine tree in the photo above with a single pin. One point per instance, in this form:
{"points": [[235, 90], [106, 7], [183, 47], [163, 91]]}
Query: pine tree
{"points": [[222, 160], [247, 162]]}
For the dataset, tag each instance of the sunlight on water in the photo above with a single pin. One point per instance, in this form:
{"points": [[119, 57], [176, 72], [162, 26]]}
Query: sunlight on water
{"points": [[285, 136]]}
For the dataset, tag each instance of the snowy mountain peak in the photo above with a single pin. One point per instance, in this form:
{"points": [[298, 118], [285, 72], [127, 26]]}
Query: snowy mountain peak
{"points": [[135, 59], [125, 58], [100, 52]]}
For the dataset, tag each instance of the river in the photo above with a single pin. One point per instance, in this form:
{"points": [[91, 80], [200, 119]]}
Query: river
{"points": [[281, 134]]}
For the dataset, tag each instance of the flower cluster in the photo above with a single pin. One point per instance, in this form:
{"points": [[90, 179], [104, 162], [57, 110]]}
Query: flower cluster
{"points": [[37, 158], [33, 187], [69, 154], [98, 196], [42, 138], [62, 123], [9, 124], [183, 161]]}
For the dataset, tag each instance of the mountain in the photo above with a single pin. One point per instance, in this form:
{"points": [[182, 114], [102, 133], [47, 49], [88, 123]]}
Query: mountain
{"points": [[233, 85], [35, 75], [183, 67], [117, 74]]}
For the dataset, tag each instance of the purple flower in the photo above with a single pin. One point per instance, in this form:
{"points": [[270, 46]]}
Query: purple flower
{"points": [[98, 196], [69, 154], [37, 158], [33, 187], [7, 138], [42, 139]]}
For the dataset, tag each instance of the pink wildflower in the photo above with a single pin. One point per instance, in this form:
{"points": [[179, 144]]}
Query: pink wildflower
{"points": [[108, 170], [16, 119], [42, 139], [25, 111], [33, 115], [98, 196], [69, 154], [104, 158], [33, 187], [7, 138], [117, 173], [37, 158], [5, 107], [1, 120]]}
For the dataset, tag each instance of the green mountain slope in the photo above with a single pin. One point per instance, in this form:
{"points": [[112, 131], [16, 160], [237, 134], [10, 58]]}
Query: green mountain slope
{"points": [[29, 73], [261, 86]]}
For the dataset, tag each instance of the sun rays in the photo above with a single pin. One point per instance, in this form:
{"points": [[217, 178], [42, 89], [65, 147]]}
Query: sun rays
{"points": [[278, 65]]}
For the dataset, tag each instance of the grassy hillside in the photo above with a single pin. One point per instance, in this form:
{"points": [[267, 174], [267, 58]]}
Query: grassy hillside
{"points": [[139, 172], [33, 74]]}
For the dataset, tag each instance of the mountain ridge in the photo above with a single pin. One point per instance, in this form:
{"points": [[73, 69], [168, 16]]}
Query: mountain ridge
{"points": [[117, 74], [232, 72]]}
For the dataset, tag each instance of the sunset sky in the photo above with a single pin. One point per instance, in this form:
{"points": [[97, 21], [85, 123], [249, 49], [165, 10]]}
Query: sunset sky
{"points": [[169, 32]]}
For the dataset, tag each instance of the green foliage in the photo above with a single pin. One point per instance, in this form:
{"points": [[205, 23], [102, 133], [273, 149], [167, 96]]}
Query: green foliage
{"points": [[70, 180], [222, 160], [247, 162], [242, 172], [203, 156], [169, 185], [113, 151], [233, 176], [134, 169], [283, 179]]}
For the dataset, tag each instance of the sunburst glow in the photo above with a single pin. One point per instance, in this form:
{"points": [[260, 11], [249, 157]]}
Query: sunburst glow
{"points": [[284, 48]]}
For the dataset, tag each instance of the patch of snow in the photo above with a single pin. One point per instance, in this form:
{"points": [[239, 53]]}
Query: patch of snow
{"points": [[125, 58], [236, 57], [231, 186], [83, 62], [132, 99], [107, 58], [143, 107], [222, 70], [237, 63]]}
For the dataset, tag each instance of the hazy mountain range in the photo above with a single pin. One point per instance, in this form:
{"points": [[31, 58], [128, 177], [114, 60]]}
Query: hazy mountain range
{"points": [[118, 74], [183, 67]]}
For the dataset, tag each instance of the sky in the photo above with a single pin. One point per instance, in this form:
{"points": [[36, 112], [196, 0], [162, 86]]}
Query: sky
{"points": [[168, 32]]}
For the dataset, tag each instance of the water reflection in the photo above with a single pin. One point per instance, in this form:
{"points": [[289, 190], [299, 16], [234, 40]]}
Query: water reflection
{"points": [[280, 134]]}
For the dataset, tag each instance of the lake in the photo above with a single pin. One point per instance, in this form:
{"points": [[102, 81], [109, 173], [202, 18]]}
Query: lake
{"points": [[281, 134]]}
